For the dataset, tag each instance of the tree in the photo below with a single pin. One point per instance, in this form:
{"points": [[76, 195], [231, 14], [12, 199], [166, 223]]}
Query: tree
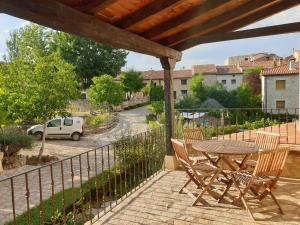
{"points": [[198, 88], [156, 93], [132, 81], [37, 89], [252, 78], [26, 42], [89, 57], [105, 90], [244, 97]]}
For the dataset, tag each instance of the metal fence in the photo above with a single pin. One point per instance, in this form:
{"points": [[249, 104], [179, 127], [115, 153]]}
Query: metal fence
{"points": [[82, 187], [241, 123]]}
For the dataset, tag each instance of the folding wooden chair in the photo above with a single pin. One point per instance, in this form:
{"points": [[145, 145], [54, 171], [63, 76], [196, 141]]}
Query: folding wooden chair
{"points": [[196, 173], [265, 141], [190, 137], [267, 171]]}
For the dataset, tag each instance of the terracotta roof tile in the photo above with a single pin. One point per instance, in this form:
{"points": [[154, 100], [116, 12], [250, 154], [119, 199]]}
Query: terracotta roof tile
{"points": [[282, 70], [206, 68], [228, 69]]}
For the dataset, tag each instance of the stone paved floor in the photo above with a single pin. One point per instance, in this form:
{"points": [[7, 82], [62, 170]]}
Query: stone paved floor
{"points": [[159, 202]]}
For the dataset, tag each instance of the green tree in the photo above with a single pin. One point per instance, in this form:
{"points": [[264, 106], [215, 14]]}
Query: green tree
{"points": [[106, 91], [88, 57], [37, 89], [26, 42], [252, 78], [198, 88], [244, 97], [132, 81], [156, 93]]}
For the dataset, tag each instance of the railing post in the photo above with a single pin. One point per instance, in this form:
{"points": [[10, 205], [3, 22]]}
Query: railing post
{"points": [[168, 66]]}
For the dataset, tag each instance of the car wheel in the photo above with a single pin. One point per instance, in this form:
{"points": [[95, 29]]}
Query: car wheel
{"points": [[38, 135], [76, 137]]}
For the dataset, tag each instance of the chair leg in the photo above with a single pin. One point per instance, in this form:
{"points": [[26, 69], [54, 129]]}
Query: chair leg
{"points": [[206, 187], [241, 196], [186, 184], [276, 202], [226, 190]]}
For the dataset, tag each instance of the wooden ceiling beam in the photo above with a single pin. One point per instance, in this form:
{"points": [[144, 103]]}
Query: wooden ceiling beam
{"points": [[198, 11], [151, 9], [222, 20], [251, 33], [64, 18], [95, 6], [250, 19]]}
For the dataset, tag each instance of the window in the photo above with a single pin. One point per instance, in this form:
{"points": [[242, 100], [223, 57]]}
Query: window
{"points": [[223, 81], [280, 84], [183, 82], [233, 81], [280, 104], [54, 123], [184, 92], [68, 122], [174, 94]]}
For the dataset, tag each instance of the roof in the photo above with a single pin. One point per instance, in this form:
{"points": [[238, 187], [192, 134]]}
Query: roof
{"points": [[263, 64], [282, 70], [159, 74], [215, 69], [162, 28], [211, 103]]}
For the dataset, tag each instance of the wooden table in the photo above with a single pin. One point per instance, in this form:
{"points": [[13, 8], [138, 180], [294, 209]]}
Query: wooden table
{"points": [[225, 148]]}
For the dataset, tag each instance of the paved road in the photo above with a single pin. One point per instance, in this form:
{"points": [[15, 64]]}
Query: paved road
{"points": [[131, 122]]}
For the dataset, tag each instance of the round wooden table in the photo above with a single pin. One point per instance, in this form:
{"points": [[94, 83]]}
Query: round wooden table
{"points": [[226, 148]]}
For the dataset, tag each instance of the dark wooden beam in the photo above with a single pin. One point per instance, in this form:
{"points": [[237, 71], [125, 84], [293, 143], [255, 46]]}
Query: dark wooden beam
{"points": [[252, 18], [147, 11], [198, 11], [251, 33], [96, 5], [64, 18], [227, 17], [168, 66]]}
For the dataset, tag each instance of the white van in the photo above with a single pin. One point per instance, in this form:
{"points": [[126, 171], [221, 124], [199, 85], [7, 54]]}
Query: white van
{"points": [[69, 127]]}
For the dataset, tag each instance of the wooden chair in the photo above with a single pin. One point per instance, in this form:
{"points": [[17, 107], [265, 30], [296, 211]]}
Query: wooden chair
{"points": [[190, 137], [196, 173], [265, 141], [267, 171]]}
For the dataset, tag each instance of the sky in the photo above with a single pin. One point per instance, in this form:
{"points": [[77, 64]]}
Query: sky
{"points": [[214, 53]]}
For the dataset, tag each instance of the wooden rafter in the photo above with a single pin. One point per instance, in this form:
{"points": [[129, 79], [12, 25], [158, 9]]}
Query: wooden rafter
{"points": [[96, 5], [252, 18], [61, 17], [222, 20], [198, 11], [149, 10], [251, 33]]}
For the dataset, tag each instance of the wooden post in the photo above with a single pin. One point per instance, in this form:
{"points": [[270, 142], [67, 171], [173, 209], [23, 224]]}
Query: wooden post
{"points": [[168, 65]]}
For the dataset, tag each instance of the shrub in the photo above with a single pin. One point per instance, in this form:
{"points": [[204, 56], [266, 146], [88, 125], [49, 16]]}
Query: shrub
{"points": [[156, 93], [96, 121], [15, 139], [156, 107]]}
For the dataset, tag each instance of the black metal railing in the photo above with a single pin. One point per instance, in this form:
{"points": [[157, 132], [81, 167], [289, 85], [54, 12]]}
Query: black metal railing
{"points": [[85, 186], [241, 123]]}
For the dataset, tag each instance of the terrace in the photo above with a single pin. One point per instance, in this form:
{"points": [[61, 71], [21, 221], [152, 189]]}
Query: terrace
{"points": [[91, 186]]}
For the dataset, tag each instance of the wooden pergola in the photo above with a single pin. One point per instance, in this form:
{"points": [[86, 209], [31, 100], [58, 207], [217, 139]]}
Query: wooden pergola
{"points": [[160, 28]]}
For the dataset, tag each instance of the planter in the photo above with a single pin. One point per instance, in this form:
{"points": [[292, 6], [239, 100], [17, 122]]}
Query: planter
{"points": [[103, 128]]}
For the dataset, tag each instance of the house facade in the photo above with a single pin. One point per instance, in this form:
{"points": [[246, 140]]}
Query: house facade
{"points": [[280, 88]]}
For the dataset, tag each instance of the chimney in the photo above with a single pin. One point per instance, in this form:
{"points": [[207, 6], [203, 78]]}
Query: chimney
{"points": [[292, 65]]}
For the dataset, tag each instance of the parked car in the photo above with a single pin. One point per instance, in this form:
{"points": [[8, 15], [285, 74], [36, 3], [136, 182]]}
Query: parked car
{"points": [[69, 127]]}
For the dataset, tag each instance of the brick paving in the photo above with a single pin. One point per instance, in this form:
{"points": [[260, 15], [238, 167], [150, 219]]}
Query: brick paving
{"points": [[159, 202]]}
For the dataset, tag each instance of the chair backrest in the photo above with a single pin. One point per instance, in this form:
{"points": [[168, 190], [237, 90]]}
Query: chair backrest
{"points": [[181, 152], [267, 140], [271, 163], [191, 136]]}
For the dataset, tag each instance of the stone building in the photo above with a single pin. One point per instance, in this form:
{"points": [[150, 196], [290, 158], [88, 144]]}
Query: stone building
{"points": [[280, 88]]}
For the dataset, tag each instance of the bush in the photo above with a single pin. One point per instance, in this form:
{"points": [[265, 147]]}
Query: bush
{"points": [[15, 139], [96, 121], [156, 107], [156, 93], [187, 102]]}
